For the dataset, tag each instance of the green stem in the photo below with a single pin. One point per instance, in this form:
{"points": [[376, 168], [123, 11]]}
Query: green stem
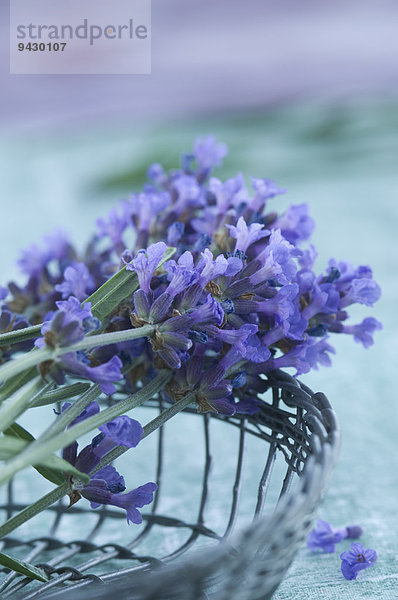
{"points": [[16, 404], [17, 365], [37, 451], [63, 393], [72, 412], [235, 368], [22, 363], [30, 511], [168, 413], [104, 339]]}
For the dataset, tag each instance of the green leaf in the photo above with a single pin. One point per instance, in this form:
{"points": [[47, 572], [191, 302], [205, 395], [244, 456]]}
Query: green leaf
{"points": [[62, 393], [39, 450], [112, 293], [103, 301], [11, 446], [20, 400], [14, 383], [18, 431], [23, 567]]}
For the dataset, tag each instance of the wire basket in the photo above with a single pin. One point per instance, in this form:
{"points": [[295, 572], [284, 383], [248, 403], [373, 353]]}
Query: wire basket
{"points": [[230, 558]]}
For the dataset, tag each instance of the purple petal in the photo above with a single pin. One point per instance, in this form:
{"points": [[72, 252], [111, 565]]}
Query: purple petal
{"points": [[123, 431], [145, 264], [347, 570], [137, 498], [77, 281], [114, 481]]}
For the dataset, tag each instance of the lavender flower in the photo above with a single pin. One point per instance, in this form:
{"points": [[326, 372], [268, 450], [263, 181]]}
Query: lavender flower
{"points": [[295, 224], [171, 340], [115, 224], [323, 536], [68, 324], [90, 410], [57, 246], [77, 282], [105, 375], [64, 329], [145, 207], [325, 299], [208, 312], [208, 154], [32, 260], [210, 267], [174, 233], [228, 194], [70, 452], [98, 491], [188, 194], [281, 306], [356, 559], [364, 291], [180, 275], [121, 431], [308, 257], [10, 322], [277, 260], [363, 332], [264, 190], [246, 235], [74, 308], [316, 352], [106, 485], [214, 391], [145, 264]]}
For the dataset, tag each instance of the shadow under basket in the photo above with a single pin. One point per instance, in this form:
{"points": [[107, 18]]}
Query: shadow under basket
{"points": [[242, 559]]}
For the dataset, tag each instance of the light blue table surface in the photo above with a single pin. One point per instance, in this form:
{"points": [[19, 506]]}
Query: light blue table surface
{"points": [[342, 160]]}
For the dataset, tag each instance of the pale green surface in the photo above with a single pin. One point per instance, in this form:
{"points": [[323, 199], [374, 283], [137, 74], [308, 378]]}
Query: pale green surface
{"points": [[343, 162]]}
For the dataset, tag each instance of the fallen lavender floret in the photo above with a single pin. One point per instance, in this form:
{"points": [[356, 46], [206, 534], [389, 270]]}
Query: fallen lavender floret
{"points": [[356, 559], [323, 536]]}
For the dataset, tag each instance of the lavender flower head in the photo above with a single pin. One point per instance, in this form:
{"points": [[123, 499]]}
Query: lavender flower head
{"points": [[239, 298]]}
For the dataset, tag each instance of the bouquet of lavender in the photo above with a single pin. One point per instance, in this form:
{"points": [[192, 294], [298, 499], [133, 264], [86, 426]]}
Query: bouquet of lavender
{"points": [[191, 290]]}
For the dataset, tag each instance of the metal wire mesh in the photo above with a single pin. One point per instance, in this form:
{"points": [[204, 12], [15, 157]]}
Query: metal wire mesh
{"points": [[232, 561]]}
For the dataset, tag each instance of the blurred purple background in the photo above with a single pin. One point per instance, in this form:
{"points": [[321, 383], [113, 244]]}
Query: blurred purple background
{"points": [[220, 55]]}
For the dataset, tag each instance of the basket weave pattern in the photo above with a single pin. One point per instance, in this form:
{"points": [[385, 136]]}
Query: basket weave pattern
{"points": [[247, 564]]}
